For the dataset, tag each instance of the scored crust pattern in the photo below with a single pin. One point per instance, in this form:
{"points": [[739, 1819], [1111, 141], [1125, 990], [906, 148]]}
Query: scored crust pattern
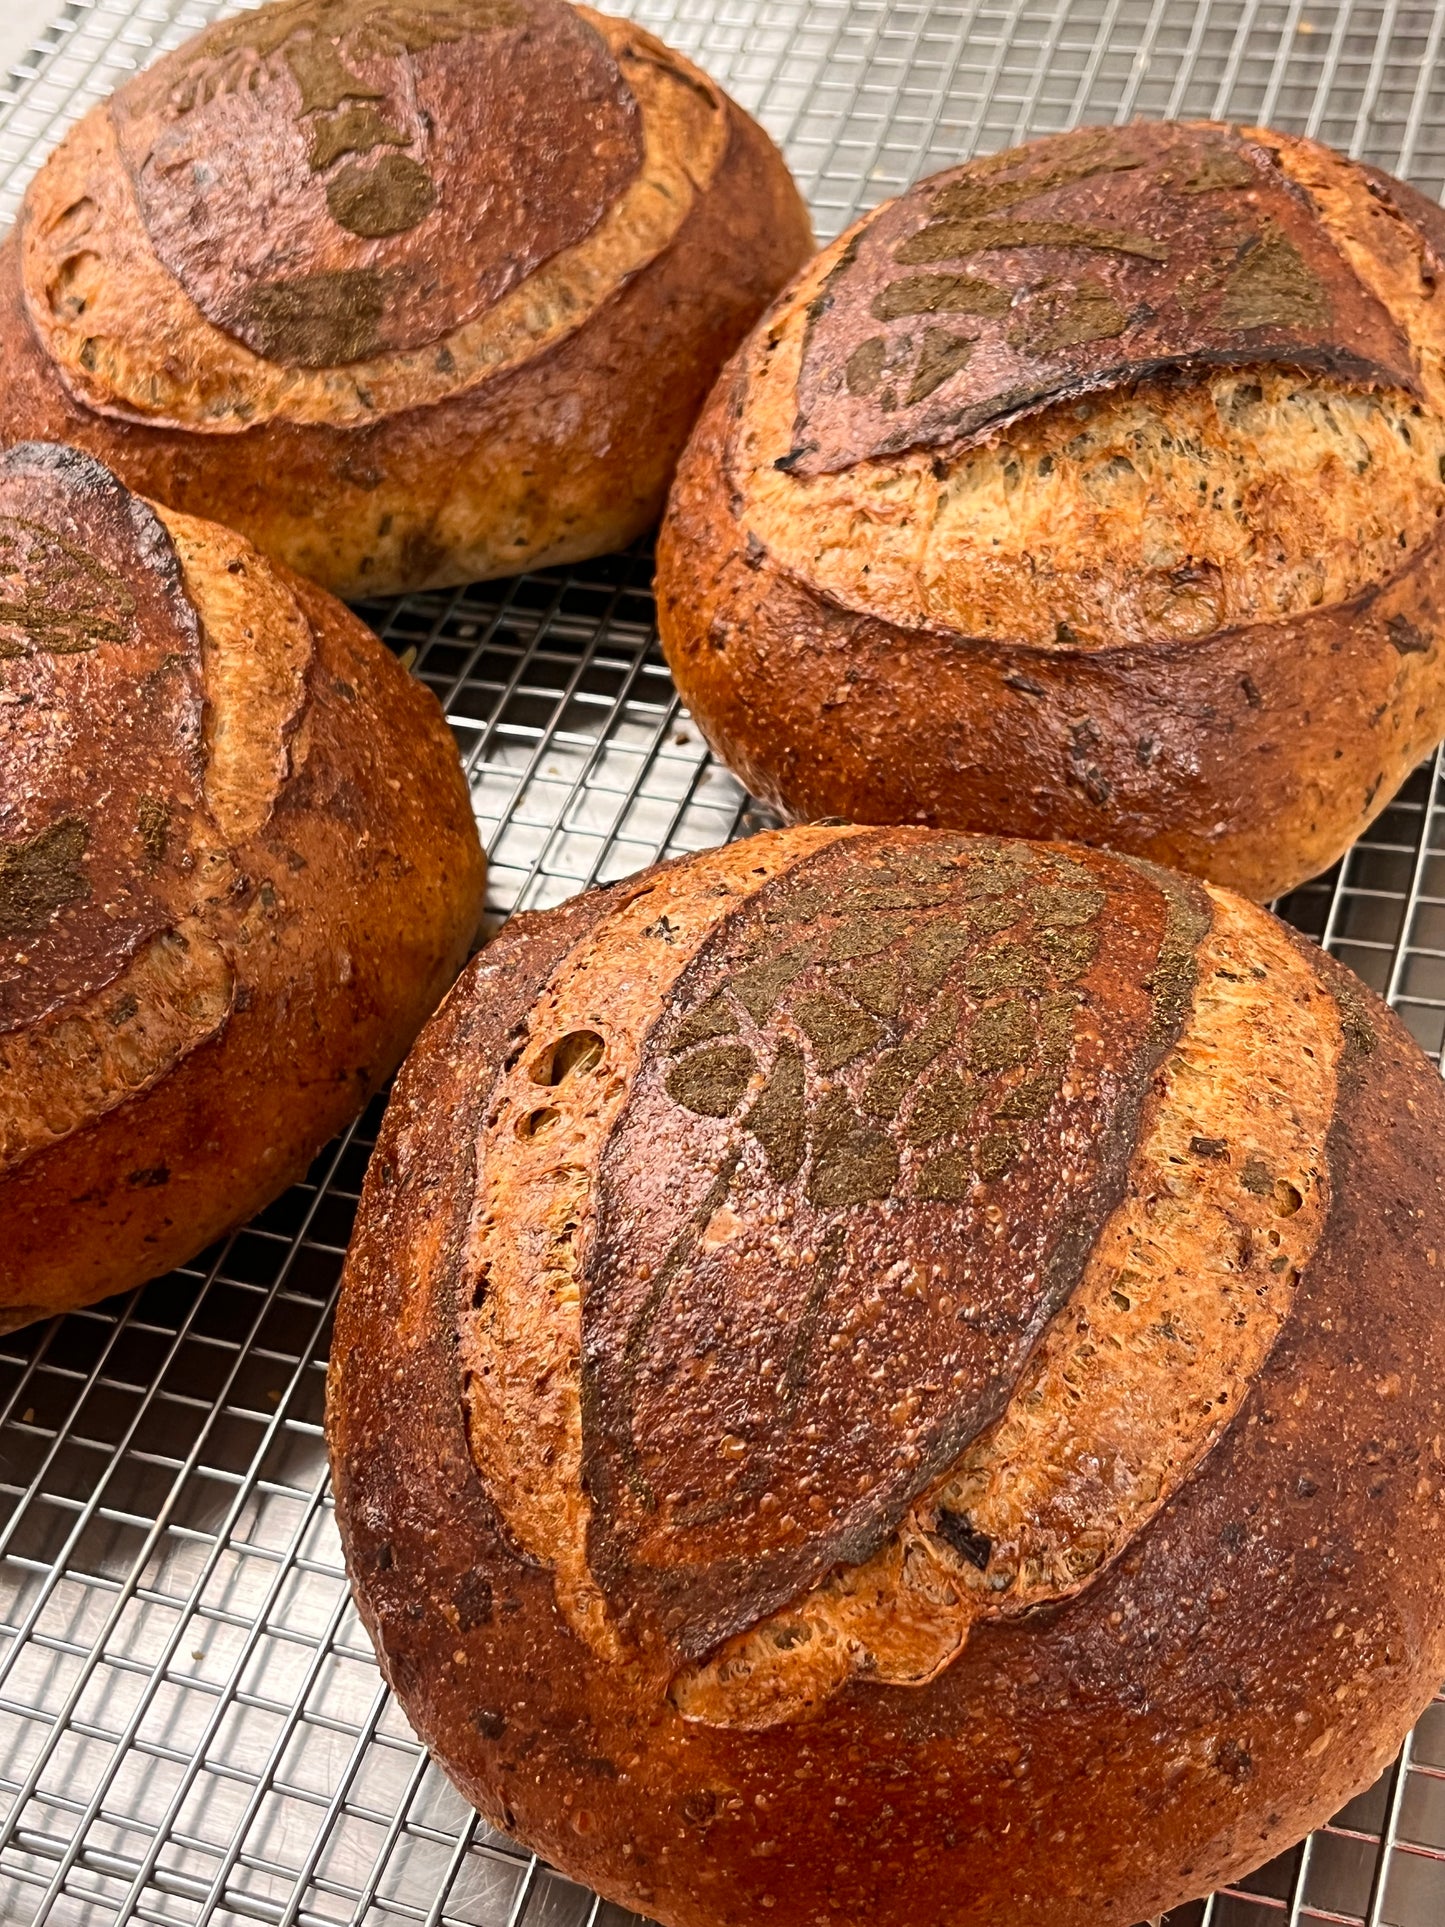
{"points": [[335, 327], [1186, 1291], [373, 132], [178, 703], [873, 1230], [924, 1060], [1080, 262]]}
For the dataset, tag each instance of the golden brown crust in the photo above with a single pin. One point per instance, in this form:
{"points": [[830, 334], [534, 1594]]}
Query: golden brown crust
{"points": [[241, 866], [1197, 617], [1246, 1663], [519, 435]]}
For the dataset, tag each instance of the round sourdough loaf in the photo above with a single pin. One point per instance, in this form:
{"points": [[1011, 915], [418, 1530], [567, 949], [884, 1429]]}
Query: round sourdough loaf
{"points": [[894, 1376], [408, 291], [238, 868], [1089, 490]]}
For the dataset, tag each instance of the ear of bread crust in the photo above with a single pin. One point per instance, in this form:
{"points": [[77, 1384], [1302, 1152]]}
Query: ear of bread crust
{"points": [[287, 852], [1247, 1663], [945, 315]]}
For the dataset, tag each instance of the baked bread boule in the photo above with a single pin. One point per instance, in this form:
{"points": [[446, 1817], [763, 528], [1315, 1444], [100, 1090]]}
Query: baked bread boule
{"points": [[238, 868], [1090, 490], [410, 292], [890, 1375]]}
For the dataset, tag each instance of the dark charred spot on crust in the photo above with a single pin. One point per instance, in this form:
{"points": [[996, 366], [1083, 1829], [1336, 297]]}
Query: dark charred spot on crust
{"points": [[1233, 1761], [956, 1531], [1025, 685], [1209, 1147], [787, 463], [489, 1723], [1405, 638], [149, 1179], [40, 875], [473, 1602]]}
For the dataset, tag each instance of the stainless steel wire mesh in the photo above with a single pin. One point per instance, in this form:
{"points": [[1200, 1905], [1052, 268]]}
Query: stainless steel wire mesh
{"points": [[192, 1729]]}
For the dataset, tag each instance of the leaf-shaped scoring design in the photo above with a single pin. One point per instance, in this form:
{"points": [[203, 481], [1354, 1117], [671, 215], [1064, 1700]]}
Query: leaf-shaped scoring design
{"points": [[867, 1152], [1009, 955]]}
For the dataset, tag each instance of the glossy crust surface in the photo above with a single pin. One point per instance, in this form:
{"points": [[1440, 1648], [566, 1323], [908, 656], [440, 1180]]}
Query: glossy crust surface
{"points": [[1090, 490], [847, 1103], [238, 867], [380, 389]]}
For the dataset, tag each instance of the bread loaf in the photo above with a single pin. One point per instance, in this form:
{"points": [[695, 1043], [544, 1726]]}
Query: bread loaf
{"points": [[1089, 490], [238, 868], [408, 291], [889, 1375]]}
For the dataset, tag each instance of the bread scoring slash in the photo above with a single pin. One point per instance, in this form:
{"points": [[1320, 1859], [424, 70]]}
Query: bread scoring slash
{"points": [[1091, 489], [372, 280], [937, 1329], [238, 867]]}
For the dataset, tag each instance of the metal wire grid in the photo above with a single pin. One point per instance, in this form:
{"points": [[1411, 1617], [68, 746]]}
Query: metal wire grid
{"points": [[192, 1728]]}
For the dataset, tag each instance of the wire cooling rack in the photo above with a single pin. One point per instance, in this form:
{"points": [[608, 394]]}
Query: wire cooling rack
{"points": [[192, 1728]]}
